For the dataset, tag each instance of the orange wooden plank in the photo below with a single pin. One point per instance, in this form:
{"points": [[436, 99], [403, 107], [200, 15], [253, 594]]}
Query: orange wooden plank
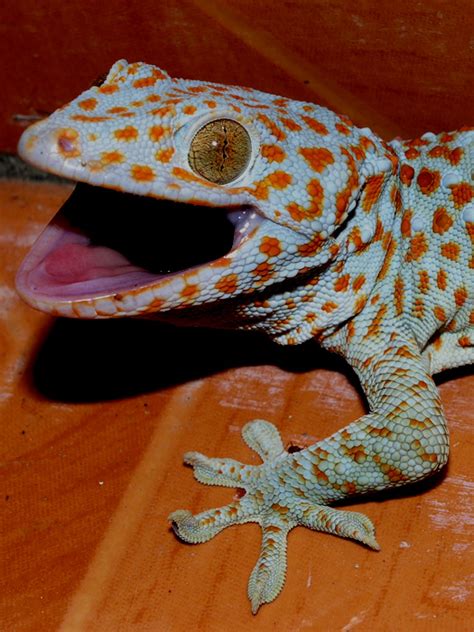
{"points": [[95, 418]]}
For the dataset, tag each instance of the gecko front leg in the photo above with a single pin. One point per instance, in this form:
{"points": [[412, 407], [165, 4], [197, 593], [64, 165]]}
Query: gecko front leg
{"points": [[401, 440]]}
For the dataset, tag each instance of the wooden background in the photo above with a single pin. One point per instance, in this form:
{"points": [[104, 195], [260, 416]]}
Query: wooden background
{"points": [[95, 416], [401, 67]]}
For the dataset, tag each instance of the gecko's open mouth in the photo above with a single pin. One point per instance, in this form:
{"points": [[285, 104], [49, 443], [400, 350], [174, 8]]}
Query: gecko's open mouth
{"points": [[103, 242]]}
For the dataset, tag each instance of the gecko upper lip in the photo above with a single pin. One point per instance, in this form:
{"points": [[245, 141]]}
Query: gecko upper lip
{"points": [[103, 241]]}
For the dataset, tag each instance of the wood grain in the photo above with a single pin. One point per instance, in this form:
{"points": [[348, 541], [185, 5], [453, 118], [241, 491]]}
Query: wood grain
{"points": [[95, 417]]}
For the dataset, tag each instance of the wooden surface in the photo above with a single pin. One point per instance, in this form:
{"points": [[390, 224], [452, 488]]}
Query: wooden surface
{"points": [[400, 67], [95, 417]]}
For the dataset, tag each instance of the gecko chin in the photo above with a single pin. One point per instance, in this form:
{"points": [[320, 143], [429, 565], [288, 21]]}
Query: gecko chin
{"points": [[103, 243]]}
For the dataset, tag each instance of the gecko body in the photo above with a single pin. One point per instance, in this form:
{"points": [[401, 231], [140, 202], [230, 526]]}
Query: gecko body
{"points": [[332, 234]]}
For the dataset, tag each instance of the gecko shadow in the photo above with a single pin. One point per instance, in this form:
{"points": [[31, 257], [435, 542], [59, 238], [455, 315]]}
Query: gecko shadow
{"points": [[87, 361]]}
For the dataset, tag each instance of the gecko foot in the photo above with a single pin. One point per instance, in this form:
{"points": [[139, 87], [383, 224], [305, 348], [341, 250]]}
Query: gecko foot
{"points": [[274, 499]]}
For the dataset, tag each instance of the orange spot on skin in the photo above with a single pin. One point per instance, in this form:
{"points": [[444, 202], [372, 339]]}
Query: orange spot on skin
{"points": [[88, 104], [453, 156], [329, 306], [350, 330], [108, 88], [117, 110], [142, 173], [358, 282], [83, 118], [406, 174], [315, 125], [211, 104], [112, 157], [404, 352], [290, 124], [270, 246], [311, 248], [356, 238], [418, 308], [273, 153], [450, 251], [342, 283], [156, 132], [187, 176], [227, 284], [272, 127], [374, 328], [315, 209], [153, 98], [418, 247], [163, 111], [396, 198], [428, 181], [190, 291], [276, 180], [343, 129], [126, 134], [439, 313], [164, 155], [460, 296], [145, 82], [342, 198], [442, 221], [465, 341], [412, 153], [389, 245], [424, 281], [462, 193], [406, 223], [372, 192], [264, 271], [155, 305], [442, 279], [360, 303], [357, 453], [189, 109], [318, 158], [399, 295]]}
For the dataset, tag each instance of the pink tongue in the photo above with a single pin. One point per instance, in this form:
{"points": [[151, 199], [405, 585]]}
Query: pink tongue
{"points": [[72, 263]]}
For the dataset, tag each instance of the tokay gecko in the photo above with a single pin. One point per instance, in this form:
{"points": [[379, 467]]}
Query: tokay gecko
{"points": [[283, 217]]}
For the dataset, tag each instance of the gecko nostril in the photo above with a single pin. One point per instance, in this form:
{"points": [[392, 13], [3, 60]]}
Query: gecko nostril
{"points": [[68, 144]]}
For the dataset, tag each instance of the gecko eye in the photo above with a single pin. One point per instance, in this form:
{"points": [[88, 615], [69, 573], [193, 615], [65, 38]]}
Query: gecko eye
{"points": [[220, 151]]}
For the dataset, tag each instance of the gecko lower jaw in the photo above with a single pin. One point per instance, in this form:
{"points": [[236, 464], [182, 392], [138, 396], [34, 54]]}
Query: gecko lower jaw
{"points": [[102, 242]]}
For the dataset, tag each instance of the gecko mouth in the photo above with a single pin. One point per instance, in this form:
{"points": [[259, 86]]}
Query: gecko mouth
{"points": [[103, 242]]}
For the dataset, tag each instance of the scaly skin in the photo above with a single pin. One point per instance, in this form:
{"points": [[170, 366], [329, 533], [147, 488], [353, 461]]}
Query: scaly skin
{"points": [[363, 245]]}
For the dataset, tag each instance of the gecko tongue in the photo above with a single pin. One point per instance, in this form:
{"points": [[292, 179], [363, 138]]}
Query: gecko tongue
{"points": [[102, 242], [76, 262]]}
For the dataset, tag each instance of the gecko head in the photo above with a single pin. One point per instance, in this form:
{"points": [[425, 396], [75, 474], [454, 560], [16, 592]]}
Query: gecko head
{"points": [[189, 192]]}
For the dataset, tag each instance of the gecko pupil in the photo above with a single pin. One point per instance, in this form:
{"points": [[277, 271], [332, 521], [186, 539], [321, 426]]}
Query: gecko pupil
{"points": [[220, 151]]}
